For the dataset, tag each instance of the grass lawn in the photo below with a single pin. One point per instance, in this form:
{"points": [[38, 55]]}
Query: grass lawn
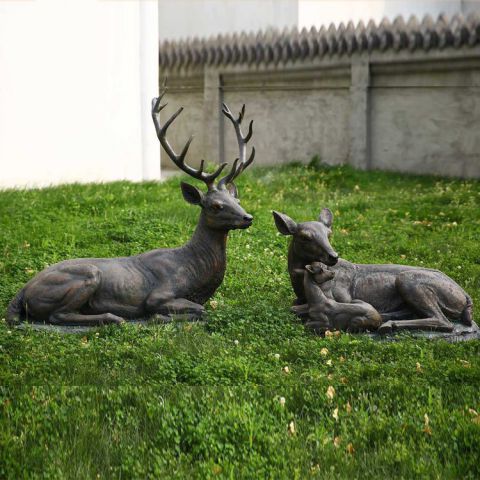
{"points": [[204, 401]]}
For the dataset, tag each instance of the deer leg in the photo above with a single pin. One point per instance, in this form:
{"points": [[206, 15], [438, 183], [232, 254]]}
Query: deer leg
{"points": [[162, 303], [433, 324], [182, 306], [397, 315], [74, 319], [77, 295], [58, 295], [362, 323], [423, 299], [318, 327], [301, 310], [318, 322]]}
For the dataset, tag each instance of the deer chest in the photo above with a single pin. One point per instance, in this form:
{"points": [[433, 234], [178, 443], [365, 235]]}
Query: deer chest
{"points": [[208, 277]]}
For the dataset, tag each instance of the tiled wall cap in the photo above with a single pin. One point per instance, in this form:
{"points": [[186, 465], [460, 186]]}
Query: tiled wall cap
{"points": [[274, 46]]}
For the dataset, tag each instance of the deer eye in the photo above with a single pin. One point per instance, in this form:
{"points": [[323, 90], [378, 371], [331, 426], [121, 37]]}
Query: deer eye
{"points": [[217, 207], [305, 236]]}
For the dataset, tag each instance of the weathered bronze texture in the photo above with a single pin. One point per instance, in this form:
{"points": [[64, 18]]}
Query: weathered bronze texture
{"points": [[97, 291], [407, 297], [325, 313]]}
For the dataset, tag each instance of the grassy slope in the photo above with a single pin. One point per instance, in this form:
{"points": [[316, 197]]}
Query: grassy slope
{"points": [[182, 401]]}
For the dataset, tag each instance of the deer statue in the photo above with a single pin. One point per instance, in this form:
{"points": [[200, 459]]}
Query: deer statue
{"points": [[325, 313], [97, 291], [407, 297]]}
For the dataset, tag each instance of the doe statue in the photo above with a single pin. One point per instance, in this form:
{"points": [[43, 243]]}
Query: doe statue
{"points": [[97, 291], [407, 297]]}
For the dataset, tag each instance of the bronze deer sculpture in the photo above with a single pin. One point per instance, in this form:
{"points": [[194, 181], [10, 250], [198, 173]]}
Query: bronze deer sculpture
{"points": [[324, 313], [407, 297], [97, 291]]}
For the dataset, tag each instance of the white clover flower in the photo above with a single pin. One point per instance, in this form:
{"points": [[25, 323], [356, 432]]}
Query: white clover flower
{"points": [[291, 428]]}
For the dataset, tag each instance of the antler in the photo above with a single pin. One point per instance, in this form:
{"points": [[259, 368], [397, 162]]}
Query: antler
{"points": [[238, 168], [179, 160]]}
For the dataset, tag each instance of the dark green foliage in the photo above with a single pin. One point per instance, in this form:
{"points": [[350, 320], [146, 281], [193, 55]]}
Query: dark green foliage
{"points": [[186, 401]]}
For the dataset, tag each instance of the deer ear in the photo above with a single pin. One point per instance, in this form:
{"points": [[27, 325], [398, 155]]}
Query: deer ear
{"points": [[232, 189], [285, 225], [191, 194], [318, 267], [326, 217]]}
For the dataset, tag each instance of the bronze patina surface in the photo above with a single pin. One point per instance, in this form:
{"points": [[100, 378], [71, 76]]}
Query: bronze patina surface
{"points": [[165, 281], [407, 297]]}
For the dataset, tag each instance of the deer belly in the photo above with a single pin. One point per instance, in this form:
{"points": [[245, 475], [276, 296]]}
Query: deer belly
{"points": [[379, 290], [122, 291]]}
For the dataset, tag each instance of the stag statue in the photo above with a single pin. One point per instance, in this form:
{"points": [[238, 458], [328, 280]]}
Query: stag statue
{"points": [[97, 291], [406, 297]]}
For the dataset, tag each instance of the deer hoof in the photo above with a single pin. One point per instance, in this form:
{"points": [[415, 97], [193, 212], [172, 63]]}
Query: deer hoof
{"points": [[110, 318], [386, 328]]}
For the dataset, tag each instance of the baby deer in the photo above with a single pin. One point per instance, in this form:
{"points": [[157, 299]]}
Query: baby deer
{"points": [[325, 313]]}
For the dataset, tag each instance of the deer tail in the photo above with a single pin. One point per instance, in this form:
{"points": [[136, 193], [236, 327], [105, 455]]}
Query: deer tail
{"points": [[16, 308], [467, 314]]}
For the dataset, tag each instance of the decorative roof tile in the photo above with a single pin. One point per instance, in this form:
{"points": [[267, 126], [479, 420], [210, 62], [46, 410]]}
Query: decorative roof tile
{"points": [[273, 46]]}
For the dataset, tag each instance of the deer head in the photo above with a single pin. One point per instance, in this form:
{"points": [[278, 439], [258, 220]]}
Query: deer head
{"points": [[220, 203], [310, 240], [319, 272]]}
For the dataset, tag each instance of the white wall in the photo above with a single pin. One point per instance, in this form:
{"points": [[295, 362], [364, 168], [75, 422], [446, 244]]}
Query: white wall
{"points": [[72, 83], [180, 19]]}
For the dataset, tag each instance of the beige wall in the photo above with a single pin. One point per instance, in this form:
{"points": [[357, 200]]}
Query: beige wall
{"points": [[190, 122], [404, 111], [426, 120], [292, 124]]}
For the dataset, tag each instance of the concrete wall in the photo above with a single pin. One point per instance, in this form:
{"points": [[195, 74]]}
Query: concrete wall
{"points": [[410, 111], [76, 79], [426, 117], [296, 115]]}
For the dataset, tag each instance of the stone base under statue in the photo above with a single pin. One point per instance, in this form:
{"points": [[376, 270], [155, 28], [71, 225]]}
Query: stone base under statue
{"points": [[460, 333], [155, 320]]}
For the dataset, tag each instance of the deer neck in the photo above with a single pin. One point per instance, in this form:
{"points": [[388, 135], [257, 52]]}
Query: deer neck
{"points": [[314, 292], [294, 260], [294, 263], [297, 257], [208, 243]]}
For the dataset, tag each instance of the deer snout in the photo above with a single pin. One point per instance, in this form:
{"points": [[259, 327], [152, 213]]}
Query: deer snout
{"points": [[332, 258]]}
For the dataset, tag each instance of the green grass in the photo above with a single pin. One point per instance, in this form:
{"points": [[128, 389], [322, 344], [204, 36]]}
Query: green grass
{"points": [[186, 401]]}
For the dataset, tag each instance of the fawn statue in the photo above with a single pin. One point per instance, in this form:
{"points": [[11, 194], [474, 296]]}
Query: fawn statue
{"points": [[324, 313]]}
